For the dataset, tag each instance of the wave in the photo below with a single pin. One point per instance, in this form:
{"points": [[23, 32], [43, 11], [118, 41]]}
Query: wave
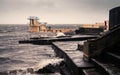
{"points": [[45, 63]]}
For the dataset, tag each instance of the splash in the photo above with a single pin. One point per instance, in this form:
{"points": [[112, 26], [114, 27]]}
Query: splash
{"points": [[45, 62], [34, 69]]}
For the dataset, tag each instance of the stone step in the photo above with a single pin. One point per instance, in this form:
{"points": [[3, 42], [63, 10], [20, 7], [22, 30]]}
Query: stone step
{"points": [[113, 58], [113, 55], [92, 71], [107, 67]]}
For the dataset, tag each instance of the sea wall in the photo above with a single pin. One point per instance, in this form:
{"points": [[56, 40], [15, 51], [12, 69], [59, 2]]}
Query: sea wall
{"points": [[69, 64]]}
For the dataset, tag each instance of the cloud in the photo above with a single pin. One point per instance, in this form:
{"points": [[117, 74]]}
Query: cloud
{"points": [[13, 5], [102, 4], [60, 10], [56, 5]]}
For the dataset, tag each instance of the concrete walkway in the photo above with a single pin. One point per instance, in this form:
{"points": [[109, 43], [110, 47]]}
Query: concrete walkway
{"points": [[73, 57]]}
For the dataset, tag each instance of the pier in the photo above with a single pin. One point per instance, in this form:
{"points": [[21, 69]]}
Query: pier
{"points": [[60, 37], [49, 40], [87, 55], [73, 58]]}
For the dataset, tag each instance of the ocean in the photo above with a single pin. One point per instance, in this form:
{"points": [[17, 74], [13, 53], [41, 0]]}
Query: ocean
{"points": [[23, 59]]}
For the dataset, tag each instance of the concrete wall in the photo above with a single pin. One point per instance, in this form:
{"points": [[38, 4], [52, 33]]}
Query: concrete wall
{"points": [[93, 48], [96, 25], [114, 17], [34, 22], [34, 29], [69, 64], [61, 30], [43, 28], [35, 26]]}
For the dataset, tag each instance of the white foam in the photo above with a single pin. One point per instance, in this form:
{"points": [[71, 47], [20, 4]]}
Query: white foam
{"points": [[46, 62]]}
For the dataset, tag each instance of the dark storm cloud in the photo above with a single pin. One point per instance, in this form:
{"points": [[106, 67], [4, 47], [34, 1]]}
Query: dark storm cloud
{"points": [[103, 4], [76, 5], [13, 5], [90, 5], [74, 10]]}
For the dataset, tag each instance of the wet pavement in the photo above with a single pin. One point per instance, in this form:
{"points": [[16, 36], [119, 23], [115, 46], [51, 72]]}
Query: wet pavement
{"points": [[70, 48]]}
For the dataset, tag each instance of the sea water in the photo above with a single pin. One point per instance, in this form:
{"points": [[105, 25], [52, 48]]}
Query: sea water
{"points": [[23, 59]]}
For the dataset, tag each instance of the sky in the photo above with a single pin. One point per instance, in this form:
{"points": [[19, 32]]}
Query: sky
{"points": [[56, 11]]}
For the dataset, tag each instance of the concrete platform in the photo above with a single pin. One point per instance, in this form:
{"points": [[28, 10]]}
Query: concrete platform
{"points": [[49, 40], [73, 57]]}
